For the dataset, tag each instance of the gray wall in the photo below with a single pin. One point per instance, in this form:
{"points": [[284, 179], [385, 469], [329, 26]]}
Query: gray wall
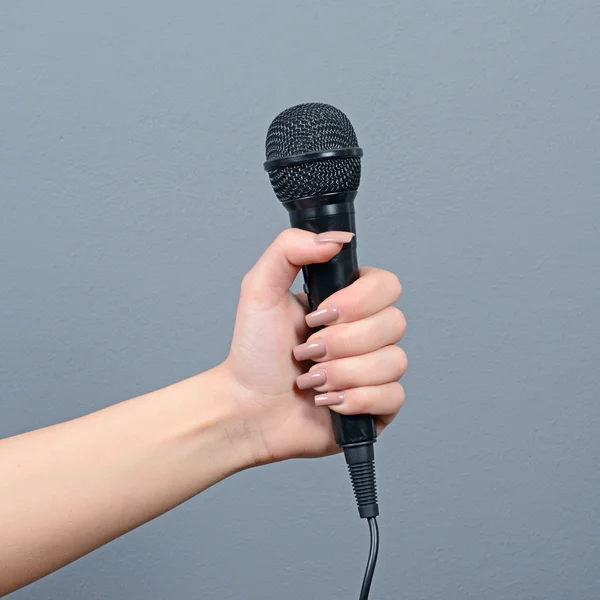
{"points": [[133, 201]]}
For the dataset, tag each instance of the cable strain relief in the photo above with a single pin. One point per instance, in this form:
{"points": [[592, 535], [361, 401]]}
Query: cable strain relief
{"points": [[361, 465]]}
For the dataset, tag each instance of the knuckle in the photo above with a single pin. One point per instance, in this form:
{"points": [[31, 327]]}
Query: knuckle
{"points": [[394, 284], [400, 360], [397, 323], [286, 237], [398, 395], [246, 284]]}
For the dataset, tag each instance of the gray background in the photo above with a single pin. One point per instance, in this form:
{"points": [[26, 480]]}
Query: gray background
{"points": [[133, 201]]}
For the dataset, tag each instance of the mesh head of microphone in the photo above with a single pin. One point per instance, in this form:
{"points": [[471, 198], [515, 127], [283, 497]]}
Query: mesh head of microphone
{"points": [[306, 128]]}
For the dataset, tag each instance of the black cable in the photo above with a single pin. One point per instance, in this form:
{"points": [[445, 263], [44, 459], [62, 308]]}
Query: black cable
{"points": [[373, 552]]}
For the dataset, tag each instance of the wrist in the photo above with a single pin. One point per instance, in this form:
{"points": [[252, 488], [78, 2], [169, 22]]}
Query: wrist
{"points": [[225, 414]]}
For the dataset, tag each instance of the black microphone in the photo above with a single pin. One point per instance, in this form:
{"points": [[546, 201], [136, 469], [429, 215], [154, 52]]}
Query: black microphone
{"points": [[313, 162]]}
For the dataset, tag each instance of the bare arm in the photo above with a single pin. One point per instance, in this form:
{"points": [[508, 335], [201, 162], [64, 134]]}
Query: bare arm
{"points": [[72, 487]]}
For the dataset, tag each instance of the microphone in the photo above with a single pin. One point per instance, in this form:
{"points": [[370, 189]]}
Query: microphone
{"points": [[313, 162]]}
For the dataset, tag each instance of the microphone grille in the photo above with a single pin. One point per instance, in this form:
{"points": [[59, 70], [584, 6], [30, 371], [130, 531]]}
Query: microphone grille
{"points": [[312, 127]]}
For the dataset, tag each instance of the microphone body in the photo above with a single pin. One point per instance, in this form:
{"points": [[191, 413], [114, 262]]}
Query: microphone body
{"points": [[333, 212]]}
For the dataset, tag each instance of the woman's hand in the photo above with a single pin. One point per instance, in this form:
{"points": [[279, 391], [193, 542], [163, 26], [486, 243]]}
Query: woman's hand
{"points": [[281, 398], [112, 470]]}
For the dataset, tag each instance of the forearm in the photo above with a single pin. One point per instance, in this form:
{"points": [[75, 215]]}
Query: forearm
{"points": [[69, 488]]}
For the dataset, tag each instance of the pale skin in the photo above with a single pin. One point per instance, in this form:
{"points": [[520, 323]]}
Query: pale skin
{"points": [[72, 487]]}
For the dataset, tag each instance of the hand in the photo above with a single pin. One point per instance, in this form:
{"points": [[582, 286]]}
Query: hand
{"points": [[117, 468], [356, 362]]}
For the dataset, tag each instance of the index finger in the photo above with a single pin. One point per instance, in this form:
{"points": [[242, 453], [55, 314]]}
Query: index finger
{"points": [[373, 291]]}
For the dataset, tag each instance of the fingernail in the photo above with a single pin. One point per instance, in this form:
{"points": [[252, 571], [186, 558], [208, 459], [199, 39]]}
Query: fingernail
{"points": [[310, 350], [330, 398], [311, 379], [335, 237], [322, 317]]}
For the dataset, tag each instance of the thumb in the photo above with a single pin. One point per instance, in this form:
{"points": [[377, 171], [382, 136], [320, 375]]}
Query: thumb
{"points": [[272, 276]]}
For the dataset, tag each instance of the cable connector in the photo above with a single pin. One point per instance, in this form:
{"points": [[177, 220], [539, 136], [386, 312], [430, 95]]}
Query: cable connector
{"points": [[360, 459]]}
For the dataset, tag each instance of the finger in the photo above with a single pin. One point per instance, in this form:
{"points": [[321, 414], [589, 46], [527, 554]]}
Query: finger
{"points": [[383, 401], [376, 368], [384, 328], [272, 276], [371, 292]]}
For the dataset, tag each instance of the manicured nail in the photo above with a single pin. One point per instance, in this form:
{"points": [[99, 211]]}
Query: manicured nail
{"points": [[322, 317], [334, 237], [330, 398], [311, 379], [310, 350]]}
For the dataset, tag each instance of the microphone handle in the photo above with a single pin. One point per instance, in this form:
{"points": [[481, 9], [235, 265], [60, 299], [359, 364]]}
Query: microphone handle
{"points": [[333, 212]]}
